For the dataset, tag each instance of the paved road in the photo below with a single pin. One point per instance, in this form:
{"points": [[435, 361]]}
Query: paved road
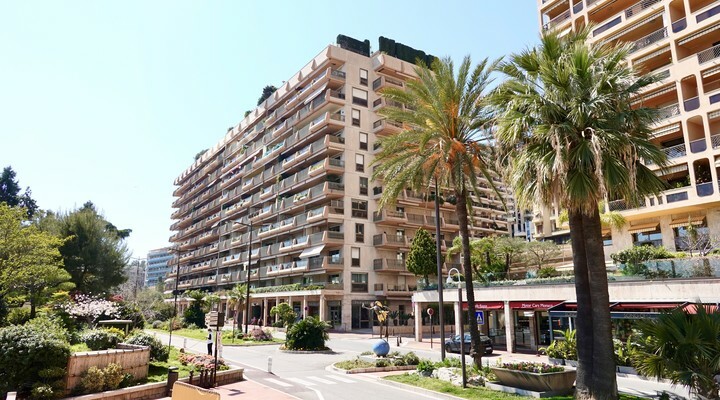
{"points": [[309, 378]]}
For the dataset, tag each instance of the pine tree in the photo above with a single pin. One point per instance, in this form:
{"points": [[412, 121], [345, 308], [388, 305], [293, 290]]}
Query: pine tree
{"points": [[422, 258]]}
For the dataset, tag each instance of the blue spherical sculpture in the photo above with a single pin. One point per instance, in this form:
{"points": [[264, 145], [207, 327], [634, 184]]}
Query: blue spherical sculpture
{"points": [[381, 348]]}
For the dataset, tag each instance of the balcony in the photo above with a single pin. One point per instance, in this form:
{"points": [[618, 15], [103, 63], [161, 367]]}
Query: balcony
{"points": [[327, 263], [697, 146], [646, 41], [704, 189], [389, 265], [709, 54], [384, 127], [679, 25], [386, 241], [389, 217], [715, 141], [707, 14], [557, 21], [384, 81], [669, 111], [692, 103]]}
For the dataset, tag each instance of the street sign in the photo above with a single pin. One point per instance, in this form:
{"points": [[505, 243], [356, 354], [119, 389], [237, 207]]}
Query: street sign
{"points": [[215, 319], [430, 311], [480, 317]]}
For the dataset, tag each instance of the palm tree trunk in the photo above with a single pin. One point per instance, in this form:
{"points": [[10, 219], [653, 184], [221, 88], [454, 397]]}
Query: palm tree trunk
{"points": [[462, 212], [583, 321], [603, 357]]}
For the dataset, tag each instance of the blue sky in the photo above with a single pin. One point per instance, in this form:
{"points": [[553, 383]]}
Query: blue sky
{"points": [[109, 101]]}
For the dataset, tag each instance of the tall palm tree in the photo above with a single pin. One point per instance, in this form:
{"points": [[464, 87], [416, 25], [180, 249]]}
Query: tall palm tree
{"points": [[236, 297], [571, 132], [445, 120]]}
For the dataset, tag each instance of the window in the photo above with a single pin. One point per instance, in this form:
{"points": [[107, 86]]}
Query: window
{"points": [[359, 208], [359, 163], [363, 77], [355, 256], [359, 283], [363, 141], [607, 239], [363, 186], [360, 233], [360, 97], [652, 238], [355, 114]]}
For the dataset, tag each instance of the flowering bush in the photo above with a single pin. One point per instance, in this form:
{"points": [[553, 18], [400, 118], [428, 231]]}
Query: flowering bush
{"points": [[202, 362], [90, 309], [538, 368]]}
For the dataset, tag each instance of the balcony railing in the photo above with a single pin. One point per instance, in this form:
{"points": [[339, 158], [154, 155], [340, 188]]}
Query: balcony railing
{"points": [[709, 54], [715, 140], [679, 25], [654, 37], [704, 189], [639, 7], [668, 111], [675, 151], [707, 14], [557, 20], [617, 205], [674, 197], [698, 145], [692, 103], [578, 7]]}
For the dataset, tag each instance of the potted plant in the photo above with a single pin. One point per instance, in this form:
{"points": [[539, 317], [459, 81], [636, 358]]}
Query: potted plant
{"points": [[555, 352], [393, 315], [623, 352], [569, 346], [537, 377]]}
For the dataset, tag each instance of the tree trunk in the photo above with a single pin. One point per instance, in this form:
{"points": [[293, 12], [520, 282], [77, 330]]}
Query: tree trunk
{"points": [[583, 321], [603, 356], [462, 212]]}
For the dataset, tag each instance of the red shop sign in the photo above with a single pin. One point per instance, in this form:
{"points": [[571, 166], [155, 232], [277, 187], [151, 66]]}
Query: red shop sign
{"points": [[533, 305], [486, 305]]}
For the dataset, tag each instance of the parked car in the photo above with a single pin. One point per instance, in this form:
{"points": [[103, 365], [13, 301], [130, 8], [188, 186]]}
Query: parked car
{"points": [[452, 345]]}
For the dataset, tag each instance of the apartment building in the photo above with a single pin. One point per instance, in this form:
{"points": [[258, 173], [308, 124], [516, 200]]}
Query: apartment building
{"points": [[285, 200], [157, 266], [679, 40]]}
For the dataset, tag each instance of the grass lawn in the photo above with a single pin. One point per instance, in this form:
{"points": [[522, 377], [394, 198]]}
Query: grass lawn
{"points": [[470, 392], [159, 370], [80, 347], [353, 364], [201, 334]]}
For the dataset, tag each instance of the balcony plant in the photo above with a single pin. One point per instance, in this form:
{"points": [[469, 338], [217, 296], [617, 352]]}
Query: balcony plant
{"points": [[538, 377]]}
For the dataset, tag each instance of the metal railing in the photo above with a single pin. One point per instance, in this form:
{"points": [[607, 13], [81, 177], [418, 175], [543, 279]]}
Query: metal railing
{"points": [[647, 40], [668, 111], [692, 103], [557, 20], [707, 14], [709, 54], [639, 7], [698, 145], [715, 140]]}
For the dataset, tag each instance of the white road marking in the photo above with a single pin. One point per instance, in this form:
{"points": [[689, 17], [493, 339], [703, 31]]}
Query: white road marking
{"points": [[321, 380], [340, 378], [277, 382], [301, 382]]}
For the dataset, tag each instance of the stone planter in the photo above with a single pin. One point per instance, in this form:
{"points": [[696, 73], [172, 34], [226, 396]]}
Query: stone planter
{"points": [[556, 382], [571, 363], [556, 361], [626, 370]]}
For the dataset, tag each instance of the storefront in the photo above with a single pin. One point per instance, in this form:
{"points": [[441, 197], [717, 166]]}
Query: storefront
{"points": [[532, 323], [490, 316]]}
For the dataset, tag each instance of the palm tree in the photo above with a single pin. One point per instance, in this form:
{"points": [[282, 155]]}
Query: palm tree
{"points": [[236, 297], [684, 348], [444, 118], [571, 133]]}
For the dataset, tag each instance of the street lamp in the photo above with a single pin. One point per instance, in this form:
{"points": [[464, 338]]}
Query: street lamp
{"points": [[450, 280], [438, 260]]}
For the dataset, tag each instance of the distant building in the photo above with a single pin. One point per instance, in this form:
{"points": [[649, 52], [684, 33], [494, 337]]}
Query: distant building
{"points": [[157, 265]]}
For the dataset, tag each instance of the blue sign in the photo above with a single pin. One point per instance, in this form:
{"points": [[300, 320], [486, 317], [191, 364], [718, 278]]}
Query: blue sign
{"points": [[480, 317]]}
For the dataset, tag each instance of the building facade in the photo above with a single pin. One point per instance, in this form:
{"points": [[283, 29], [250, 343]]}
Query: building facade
{"points": [[287, 196], [679, 41], [158, 265]]}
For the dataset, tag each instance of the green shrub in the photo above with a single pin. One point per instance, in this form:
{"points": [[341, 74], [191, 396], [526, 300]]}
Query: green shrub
{"points": [[399, 362], [158, 351], [132, 312], [634, 258], [113, 376], [411, 359], [157, 324], [547, 272], [449, 362], [308, 334], [93, 380], [381, 363], [18, 316], [27, 350], [101, 339], [425, 366]]}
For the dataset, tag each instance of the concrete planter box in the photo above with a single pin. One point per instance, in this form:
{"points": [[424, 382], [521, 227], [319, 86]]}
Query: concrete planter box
{"points": [[556, 382], [626, 370], [556, 361], [571, 363]]}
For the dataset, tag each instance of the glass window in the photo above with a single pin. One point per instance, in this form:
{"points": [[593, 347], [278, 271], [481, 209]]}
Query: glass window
{"points": [[360, 97], [359, 163], [652, 238], [363, 141], [355, 256], [363, 77], [359, 283], [360, 233], [359, 209], [363, 185], [355, 114]]}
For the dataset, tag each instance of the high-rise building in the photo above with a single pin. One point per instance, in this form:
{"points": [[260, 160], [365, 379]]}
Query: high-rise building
{"points": [[287, 195], [679, 41], [158, 265]]}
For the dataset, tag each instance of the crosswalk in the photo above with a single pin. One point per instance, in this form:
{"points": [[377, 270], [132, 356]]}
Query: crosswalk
{"points": [[328, 379]]}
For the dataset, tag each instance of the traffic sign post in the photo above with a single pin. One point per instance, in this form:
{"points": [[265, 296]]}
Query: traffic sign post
{"points": [[430, 312], [480, 317]]}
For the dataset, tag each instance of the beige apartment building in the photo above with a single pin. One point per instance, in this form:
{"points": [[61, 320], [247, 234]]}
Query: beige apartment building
{"points": [[679, 40], [287, 196]]}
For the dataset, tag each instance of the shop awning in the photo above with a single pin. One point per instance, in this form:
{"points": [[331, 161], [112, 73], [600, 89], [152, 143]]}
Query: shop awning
{"points": [[566, 309], [697, 220], [623, 305], [692, 308], [644, 228], [486, 305], [534, 305], [312, 251]]}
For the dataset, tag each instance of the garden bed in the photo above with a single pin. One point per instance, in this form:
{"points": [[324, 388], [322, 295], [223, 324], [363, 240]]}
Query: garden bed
{"points": [[538, 380]]}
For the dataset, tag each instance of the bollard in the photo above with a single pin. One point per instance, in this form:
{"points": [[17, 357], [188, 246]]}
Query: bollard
{"points": [[184, 343], [398, 341], [269, 369], [172, 378]]}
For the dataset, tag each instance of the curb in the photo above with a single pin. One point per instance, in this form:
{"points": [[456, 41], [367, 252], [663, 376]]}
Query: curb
{"points": [[373, 369], [430, 393]]}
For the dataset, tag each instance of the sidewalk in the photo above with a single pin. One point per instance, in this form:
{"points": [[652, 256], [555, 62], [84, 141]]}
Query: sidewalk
{"points": [[250, 390]]}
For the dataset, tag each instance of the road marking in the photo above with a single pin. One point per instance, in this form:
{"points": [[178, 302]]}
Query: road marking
{"points": [[321, 380], [301, 382], [341, 379], [278, 382]]}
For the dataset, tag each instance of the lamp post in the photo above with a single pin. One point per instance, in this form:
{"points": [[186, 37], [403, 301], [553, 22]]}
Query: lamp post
{"points": [[247, 284], [462, 330], [441, 313]]}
